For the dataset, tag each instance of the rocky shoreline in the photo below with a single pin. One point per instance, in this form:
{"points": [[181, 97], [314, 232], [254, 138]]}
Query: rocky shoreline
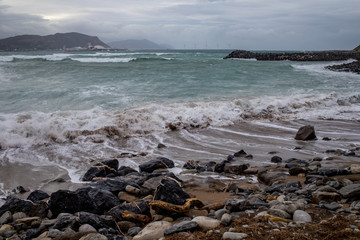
{"points": [[335, 55], [293, 199], [353, 67]]}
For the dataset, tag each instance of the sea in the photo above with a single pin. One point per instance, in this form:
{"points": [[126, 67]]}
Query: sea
{"points": [[61, 112]]}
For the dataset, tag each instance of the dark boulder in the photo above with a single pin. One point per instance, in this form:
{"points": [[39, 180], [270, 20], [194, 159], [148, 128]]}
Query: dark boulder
{"points": [[235, 168], [170, 191], [137, 207], [333, 172], [284, 187], [219, 167], [293, 162], [14, 204], [102, 169], [65, 221], [306, 133], [351, 191], [159, 163], [276, 159], [88, 199], [37, 195], [210, 166], [124, 170], [95, 220], [240, 153], [184, 226], [294, 171], [113, 185]]}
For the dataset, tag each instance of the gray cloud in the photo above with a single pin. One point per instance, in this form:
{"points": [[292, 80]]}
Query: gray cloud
{"points": [[246, 24]]}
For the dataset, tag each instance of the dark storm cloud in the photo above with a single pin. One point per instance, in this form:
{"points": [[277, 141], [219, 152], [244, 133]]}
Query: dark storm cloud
{"points": [[247, 24]]}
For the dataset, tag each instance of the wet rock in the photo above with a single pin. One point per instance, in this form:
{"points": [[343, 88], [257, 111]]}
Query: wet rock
{"points": [[65, 221], [301, 217], [94, 236], [37, 195], [334, 184], [276, 159], [5, 229], [235, 168], [219, 213], [170, 191], [219, 168], [53, 233], [351, 191], [210, 166], [88, 199], [306, 133], [271, 176], [234, 236], [154, 230], [226, 219], [33, 233], [331, 206], [15, 204], [181, 227], [102, 169], [333, 172], [206, 222], [294, 171], [293, 162], [86, 228], [5, 217], [159, 163], [20, 189], [113, 185], [315, 178], [124, 196], [30, 221], [240, 153], [124, 170], [191, 164], [285, 187]]}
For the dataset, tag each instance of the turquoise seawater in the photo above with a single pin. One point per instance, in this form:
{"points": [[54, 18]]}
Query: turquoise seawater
{"points": [[65, 110], [57, 81]]}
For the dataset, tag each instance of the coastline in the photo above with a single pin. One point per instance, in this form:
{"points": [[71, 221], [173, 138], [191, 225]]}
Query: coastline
{"points": [[335, 148]]}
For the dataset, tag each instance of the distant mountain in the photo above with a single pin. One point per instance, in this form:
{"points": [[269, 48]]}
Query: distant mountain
{"points": [[72, 41], [133, 44], [357, 48]]}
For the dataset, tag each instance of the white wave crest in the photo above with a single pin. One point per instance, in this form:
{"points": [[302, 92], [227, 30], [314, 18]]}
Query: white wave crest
{"points": [[103, 60]]}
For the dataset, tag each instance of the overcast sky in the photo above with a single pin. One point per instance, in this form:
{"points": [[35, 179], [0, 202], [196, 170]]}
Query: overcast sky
{"points": [[241, 24]]}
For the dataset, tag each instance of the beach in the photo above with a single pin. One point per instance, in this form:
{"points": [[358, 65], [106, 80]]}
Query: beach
{"points": [[220, 126]]}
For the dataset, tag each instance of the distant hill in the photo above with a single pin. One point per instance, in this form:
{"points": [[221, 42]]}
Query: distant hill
{"points": [[357, 48], [133, 44], [51, 42]]}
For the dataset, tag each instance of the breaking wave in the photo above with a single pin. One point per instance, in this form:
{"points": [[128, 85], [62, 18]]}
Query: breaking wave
{"points": [[98, 125]]}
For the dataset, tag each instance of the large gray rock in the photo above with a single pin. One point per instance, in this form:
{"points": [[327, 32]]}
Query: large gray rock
{"points": [[206, 222], [181, 227], [306, 133], [351, 191], [93, 236], [301, 216], [5, 218], [154, 230]]}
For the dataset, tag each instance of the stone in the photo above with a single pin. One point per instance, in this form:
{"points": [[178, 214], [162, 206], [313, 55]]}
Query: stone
{"points": [[154, 230], [15, 204], [235, 168], [293, 162], [271, 176], [124, 196], [87, 199], [219, 168], [276, 159], [219, 213], [37, 195], [95, 220], [137, 207], [301, 216], [159, 163], [206, 222], [306, 133], [284, 187], [226, 219], [240, 153], [94, 236], [64, 221], [30, 221], [196, 212], [102, 170], [333, 172], [113, 185], [124, 170], [132, 190], [6, 217], [170, 191], [325, 196], [355, 168], [86, 228], [19, 215], [181, 227], [331, 206], [279, 213], [350, 191], [234, 236], [6, 228], [294, 171], [33, 233]]}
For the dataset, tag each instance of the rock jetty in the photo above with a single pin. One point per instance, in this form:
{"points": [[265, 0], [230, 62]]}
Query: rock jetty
{"points": [[291, 199], [335, 55]]}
